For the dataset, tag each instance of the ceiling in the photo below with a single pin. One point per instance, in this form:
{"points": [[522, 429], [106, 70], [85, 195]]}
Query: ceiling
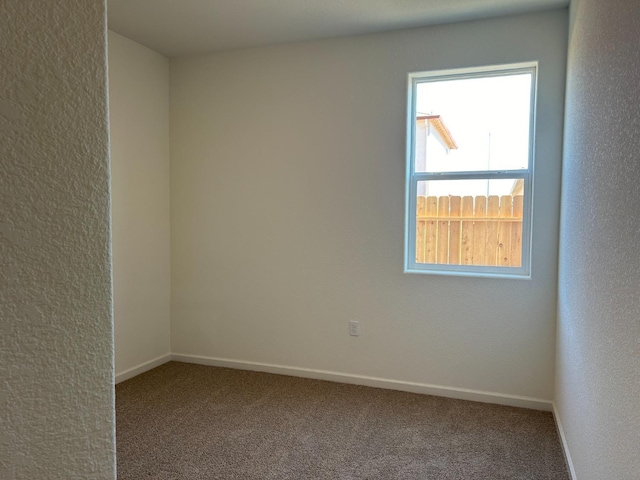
{"points": [[183, 27]]}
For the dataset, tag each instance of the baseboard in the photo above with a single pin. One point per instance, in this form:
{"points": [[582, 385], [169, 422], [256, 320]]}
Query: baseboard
{"points": [[413, 387], [565, 445], [143, 367]]}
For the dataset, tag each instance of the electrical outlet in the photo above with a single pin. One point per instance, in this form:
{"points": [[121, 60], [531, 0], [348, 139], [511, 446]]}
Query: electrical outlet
{"points": [[354, 328]]}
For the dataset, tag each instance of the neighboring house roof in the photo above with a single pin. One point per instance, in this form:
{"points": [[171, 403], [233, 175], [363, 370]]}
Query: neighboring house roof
{"points": [[444, 135]]}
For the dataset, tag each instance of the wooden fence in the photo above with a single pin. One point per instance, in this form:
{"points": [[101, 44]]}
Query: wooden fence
{"points": [[469, 230]]}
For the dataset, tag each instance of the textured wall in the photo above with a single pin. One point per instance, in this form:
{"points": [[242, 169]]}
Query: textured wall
{"points": [[288, 168], [56, 345], [598, 353], [139, 130]]}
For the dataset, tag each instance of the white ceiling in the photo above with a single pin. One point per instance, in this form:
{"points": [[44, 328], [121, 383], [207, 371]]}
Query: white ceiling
{"points": [[182, 27]]}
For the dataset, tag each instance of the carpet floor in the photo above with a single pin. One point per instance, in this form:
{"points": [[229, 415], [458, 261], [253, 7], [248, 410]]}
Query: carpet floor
{"points": [[191, 422]]}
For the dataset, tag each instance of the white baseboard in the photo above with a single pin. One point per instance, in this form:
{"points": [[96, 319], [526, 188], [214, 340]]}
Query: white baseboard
{"points": [[565, 445], [143, 367], [413, 387]]}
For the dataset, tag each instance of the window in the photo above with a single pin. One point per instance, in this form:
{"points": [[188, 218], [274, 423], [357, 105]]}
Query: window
{"points": [[470, 171]]}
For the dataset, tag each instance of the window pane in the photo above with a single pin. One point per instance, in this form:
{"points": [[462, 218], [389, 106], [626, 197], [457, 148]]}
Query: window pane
{"points": [[470, 222], [473, 124]]}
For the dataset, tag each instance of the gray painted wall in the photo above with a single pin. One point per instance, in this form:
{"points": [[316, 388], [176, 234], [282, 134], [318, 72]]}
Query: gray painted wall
{"points": [[56, 339], [287, 221], [139, 134], [598, 349]]}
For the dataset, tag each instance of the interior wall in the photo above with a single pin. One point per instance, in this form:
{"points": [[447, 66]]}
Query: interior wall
{"points": [[56, 329], [139, 128], [288, 187], [598, 352]]}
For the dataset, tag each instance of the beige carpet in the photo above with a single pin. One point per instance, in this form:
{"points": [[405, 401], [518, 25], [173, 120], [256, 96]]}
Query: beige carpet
{"points": [[182, 421]]}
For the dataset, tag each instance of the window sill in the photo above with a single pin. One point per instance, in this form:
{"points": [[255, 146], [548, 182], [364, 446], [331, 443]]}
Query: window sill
{"points": [[466, 272]]}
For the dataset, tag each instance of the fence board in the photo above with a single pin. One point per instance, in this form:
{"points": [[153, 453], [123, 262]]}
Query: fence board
{"points": [[454, 230], [480, 231], [431, 232], [504, 231], [442, 254], [466, 234], [516, 232], [421, 226], [491, 250]]}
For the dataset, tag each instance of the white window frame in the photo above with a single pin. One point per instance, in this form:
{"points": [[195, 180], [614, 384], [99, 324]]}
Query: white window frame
{"points": [[413, 177]]}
